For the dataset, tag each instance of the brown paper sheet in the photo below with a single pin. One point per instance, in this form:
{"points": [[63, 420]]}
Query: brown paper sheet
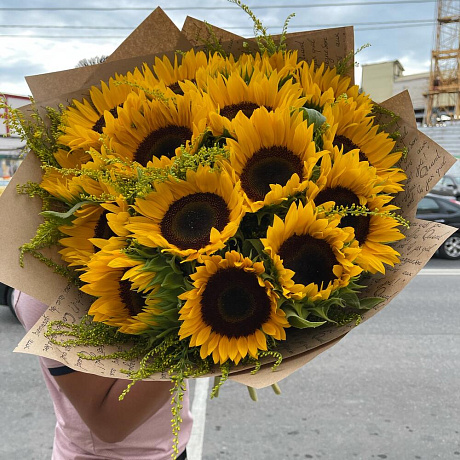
{"points": [[424, 164], [157, 33], [400, 104], [426, 161], [20, 219], [325, 45]]}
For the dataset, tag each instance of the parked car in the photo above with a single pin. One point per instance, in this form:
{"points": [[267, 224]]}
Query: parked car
{"points": [[444, 209], [449, 185], [6, 297]]}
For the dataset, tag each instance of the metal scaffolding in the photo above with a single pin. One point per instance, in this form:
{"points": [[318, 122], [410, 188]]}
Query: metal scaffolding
{"points": [[443, 96]]}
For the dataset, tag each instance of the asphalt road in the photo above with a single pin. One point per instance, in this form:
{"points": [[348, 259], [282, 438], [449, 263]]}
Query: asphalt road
{"points": [[388, 390]]}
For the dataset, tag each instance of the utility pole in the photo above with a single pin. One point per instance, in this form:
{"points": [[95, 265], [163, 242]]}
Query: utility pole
{"points": [[443, 96]]}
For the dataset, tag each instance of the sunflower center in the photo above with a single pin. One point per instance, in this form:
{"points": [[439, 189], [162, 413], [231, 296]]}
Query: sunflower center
{"points": [[234, 304], [102, 229], [273, 165], [310, 258], [345, 197], [132, 300], [175, 87], [100, 124], [230, 111], [347, 144], [162, 141], [188, 222]]}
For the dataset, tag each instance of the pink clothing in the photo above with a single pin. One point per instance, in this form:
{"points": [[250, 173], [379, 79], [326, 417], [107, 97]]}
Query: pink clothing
{"points": [[74, 441]]}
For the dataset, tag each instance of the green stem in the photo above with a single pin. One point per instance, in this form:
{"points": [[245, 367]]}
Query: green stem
{"points": [[276, 389], [216, 386], [253, 393]]}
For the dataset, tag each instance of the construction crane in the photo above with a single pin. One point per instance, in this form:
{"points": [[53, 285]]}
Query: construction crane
{"points": [[443, 96]]}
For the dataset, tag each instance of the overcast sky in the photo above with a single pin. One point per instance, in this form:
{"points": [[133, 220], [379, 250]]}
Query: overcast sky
{"points": [[402, 30]]}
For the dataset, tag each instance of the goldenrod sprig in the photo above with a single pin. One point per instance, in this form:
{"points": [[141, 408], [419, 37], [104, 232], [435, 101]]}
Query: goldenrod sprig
{"points": [[357, 210], [264, 40]]}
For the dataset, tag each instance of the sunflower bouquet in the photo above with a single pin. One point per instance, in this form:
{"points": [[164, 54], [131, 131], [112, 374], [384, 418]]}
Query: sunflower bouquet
{"points": [[222, 211]]}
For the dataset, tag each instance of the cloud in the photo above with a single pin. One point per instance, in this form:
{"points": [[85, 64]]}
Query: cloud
{"points": [[12, 74], [30, 56]]}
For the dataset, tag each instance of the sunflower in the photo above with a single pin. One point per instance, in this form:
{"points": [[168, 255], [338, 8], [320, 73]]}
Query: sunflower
{"points": [[117, 216], [376, 231], [83, 122], [145, 129], [350, 183], [313, 256], [125, 295], [284, 63], [273, 155], [64, 187], [93, 224], [109, 164], [227, 96], [352, 129], [90, 222], [344, 180], [183, 76], [231, 310], [323, 84], [191, 217], [72, 160]]}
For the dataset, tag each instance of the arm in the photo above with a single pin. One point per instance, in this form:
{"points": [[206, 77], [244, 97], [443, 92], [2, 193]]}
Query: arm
{"points": [[96, 400]]}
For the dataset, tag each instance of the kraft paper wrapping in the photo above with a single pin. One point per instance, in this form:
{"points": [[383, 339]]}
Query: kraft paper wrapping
{"points": [[425, 164]]}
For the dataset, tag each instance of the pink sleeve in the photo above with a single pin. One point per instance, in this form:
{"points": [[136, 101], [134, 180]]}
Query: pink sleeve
{"points": [[29, 311]]}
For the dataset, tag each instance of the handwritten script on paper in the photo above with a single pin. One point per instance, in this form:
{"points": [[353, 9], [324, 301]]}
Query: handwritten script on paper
{"points": [[424, 164], [70, 307]]}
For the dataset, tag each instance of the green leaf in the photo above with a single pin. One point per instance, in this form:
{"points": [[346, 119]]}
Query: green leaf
{"points": [[313, 116], [370, 302], [173, 280], [64, 215], [300, 323], [250, 244], [351, 299]]}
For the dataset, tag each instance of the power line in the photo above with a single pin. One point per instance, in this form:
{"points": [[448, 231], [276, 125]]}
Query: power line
{"points": [[41, 26], [194, 8], [98, 37]]}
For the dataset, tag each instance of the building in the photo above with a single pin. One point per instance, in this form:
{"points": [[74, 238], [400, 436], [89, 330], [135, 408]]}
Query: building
{"points": [[385, 79], [378, 80]]}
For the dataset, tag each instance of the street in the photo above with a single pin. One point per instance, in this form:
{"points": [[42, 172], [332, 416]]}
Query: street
{"points": [[388, 390]]}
